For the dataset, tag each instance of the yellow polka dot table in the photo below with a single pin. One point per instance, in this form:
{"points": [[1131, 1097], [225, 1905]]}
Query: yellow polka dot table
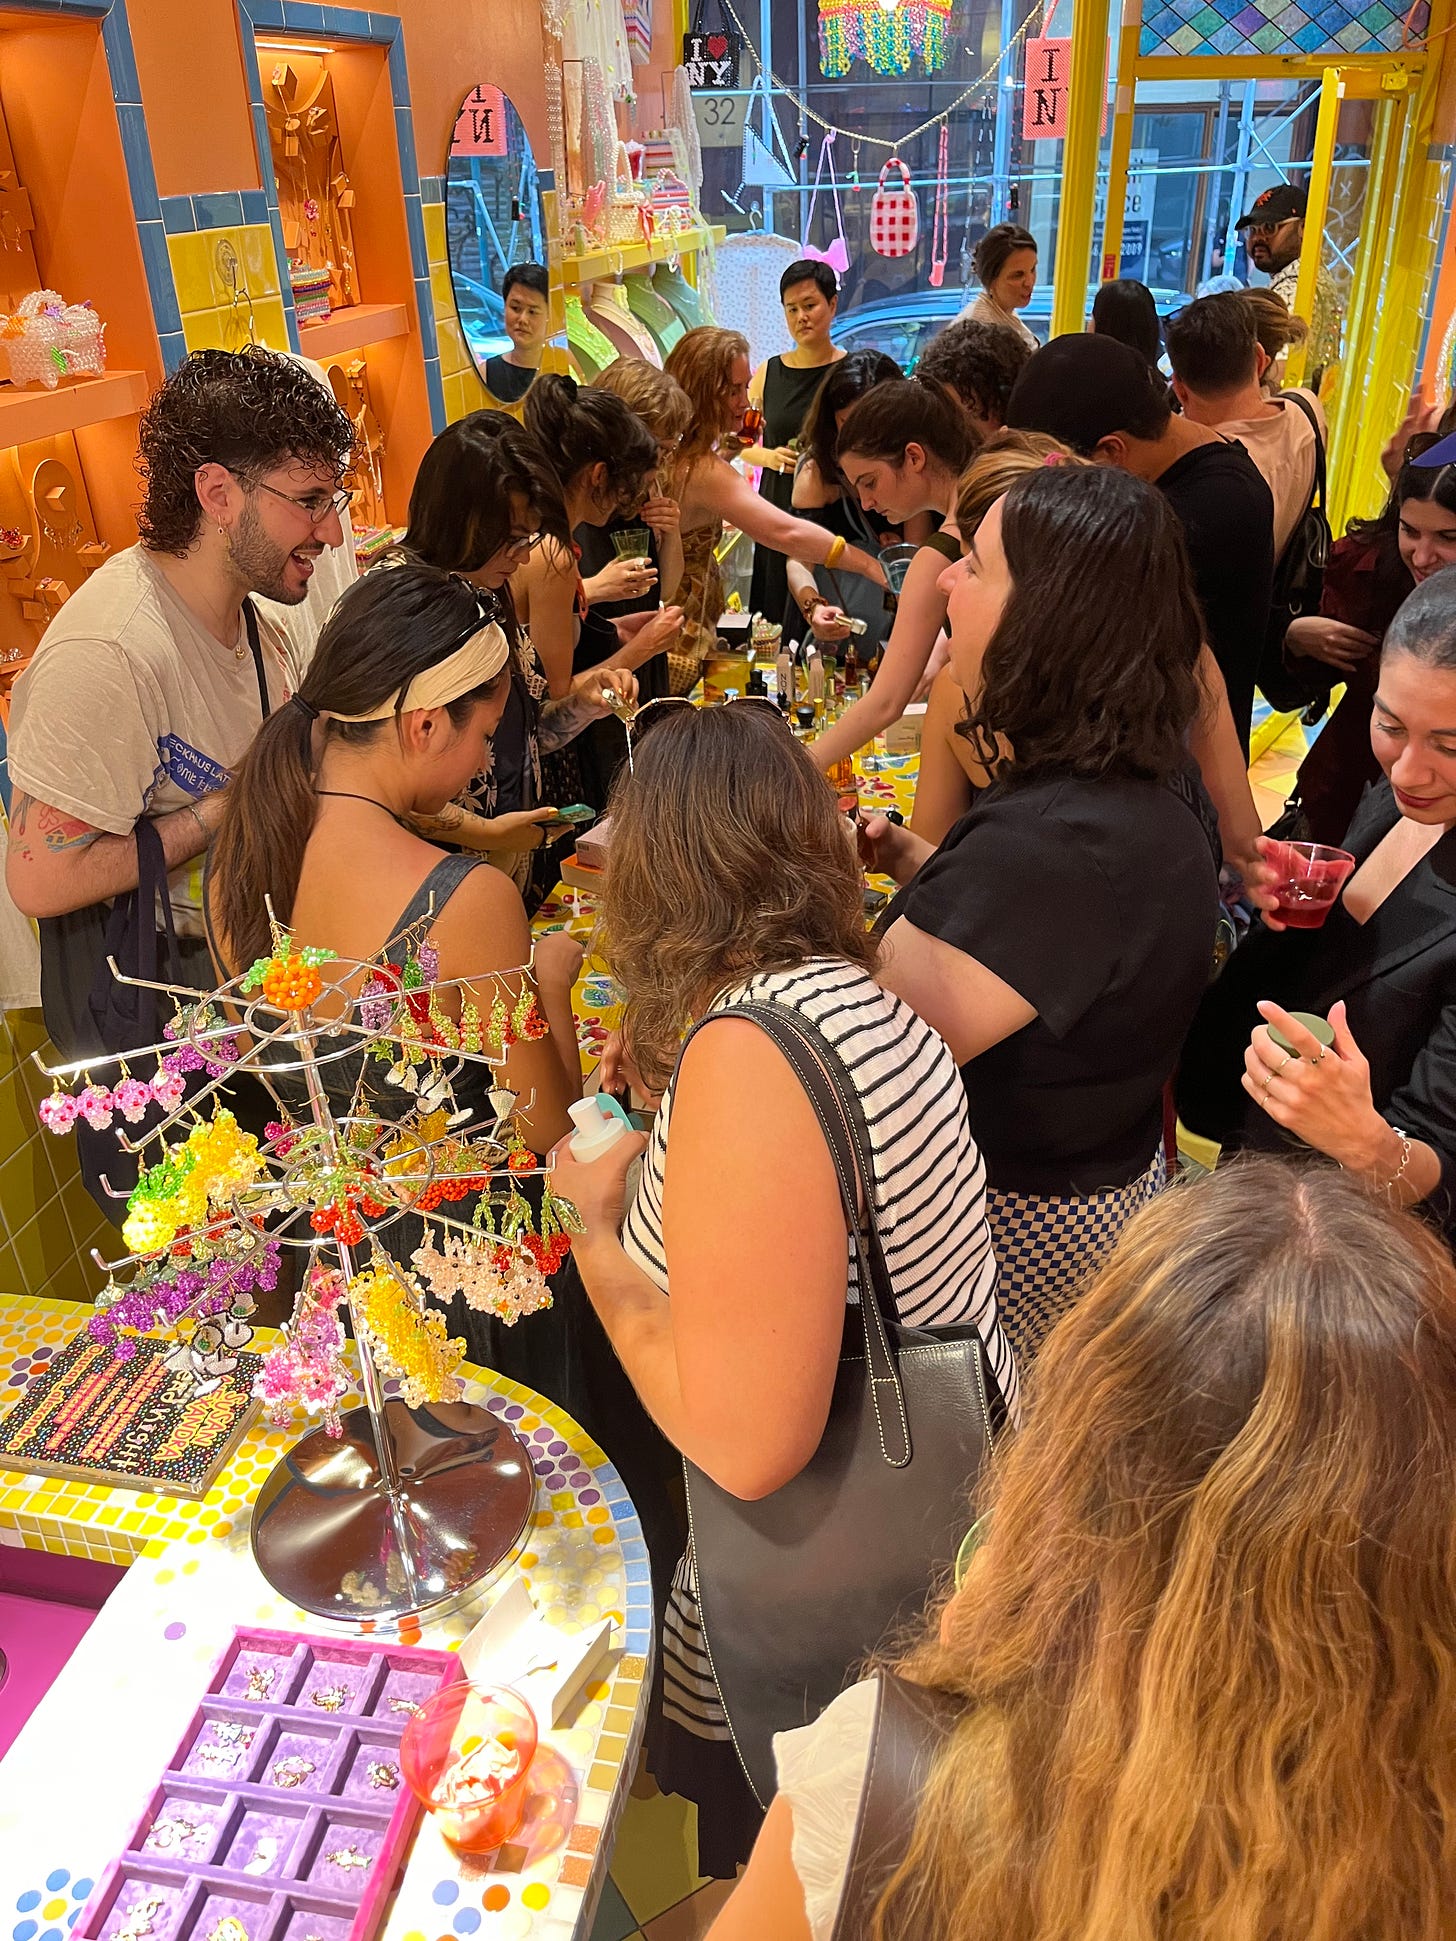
{"points": [[78, 1775]]}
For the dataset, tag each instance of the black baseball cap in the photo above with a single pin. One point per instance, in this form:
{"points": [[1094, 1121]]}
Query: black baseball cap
{"points": [[1276, 205]]}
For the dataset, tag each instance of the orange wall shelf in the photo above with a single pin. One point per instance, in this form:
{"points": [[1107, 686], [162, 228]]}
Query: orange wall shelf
{"points": [[27, 415], [353, 328]]}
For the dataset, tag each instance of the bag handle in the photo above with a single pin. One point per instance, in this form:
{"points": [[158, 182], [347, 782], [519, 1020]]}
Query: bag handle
{"points": [[250, 622], [895, 162], [1317, 488], [826, 1083]]}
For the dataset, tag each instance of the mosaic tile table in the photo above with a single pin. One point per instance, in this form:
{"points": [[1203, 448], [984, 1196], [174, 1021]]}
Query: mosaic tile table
{"points": [[77, 1775]]}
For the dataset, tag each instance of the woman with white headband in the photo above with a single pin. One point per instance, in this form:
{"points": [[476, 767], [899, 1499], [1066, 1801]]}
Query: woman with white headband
{"points": [[393, 718]]}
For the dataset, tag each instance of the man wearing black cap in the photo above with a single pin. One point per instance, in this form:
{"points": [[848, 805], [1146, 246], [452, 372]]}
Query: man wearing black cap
{"points": [[1107, 402], [1274, 229]]}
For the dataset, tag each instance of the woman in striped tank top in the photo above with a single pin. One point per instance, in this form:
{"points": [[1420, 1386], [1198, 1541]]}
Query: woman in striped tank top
{"points": [[733, 878]]}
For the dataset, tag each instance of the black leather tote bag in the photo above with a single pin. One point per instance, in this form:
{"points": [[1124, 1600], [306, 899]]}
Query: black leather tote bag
{"points": [[797, 1589]]}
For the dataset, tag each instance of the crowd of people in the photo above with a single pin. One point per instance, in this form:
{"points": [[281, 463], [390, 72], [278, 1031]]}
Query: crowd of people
{"points": [[1192, 1676]]}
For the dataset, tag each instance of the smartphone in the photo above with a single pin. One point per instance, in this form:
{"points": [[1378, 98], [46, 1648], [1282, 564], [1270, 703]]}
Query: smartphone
{"points": [[576, 815]]}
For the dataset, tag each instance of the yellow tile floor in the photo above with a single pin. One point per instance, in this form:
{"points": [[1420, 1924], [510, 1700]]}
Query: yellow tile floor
{"points": [[654, 1890]]}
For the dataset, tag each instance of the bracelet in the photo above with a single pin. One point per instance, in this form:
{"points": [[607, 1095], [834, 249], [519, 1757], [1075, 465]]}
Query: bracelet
{"points": [[1406, 1148], [196, 815], [838, 547]]}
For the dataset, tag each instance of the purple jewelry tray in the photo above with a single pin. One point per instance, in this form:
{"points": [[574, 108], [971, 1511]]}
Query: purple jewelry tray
{"points": [[225, 1843]]}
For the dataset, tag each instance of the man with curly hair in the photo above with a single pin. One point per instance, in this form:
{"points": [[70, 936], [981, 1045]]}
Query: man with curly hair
{"points": [[980, 362], [151, 681]]}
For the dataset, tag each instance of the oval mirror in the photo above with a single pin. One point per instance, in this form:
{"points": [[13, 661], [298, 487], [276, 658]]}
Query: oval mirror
{"points": [[496, 233]]}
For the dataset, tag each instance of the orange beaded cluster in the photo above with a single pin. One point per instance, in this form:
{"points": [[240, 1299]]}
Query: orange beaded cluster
{"points": [[291, 984]]}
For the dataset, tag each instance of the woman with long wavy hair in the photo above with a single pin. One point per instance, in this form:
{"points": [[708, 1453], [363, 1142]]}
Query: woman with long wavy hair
{"points": [[723, 1291], [1199, 1677], [711, 365]]}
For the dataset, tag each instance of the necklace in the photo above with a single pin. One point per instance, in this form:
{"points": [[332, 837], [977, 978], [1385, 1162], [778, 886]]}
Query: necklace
{"points": [[348, 795]]}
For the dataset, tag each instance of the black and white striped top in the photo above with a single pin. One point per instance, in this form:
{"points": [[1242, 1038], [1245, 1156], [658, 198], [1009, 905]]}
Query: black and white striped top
{"points": [[930, 1202]]}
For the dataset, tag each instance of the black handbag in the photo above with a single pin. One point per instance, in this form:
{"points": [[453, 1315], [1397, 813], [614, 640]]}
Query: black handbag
{"points": [[1299, 580], [797, 1589], [711, 54]]}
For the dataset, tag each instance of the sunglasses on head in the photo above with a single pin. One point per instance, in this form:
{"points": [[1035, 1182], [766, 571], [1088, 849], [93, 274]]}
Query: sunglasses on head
{"points": [[651, 714]]}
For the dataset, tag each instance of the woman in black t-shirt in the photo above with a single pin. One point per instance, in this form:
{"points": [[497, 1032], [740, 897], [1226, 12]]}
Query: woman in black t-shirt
{"points": [[1060, 937]]}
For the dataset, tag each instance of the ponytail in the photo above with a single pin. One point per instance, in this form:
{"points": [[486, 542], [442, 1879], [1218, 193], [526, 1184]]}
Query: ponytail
{"points": [[582, 427], [386, 628]]}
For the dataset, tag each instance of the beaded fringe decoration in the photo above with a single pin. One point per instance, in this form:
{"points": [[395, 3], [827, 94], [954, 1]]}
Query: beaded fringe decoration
{"points": [[851, 30]]}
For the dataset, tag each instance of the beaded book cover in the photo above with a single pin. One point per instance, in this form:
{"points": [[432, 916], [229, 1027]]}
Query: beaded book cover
{"points": [[131, 1424]]}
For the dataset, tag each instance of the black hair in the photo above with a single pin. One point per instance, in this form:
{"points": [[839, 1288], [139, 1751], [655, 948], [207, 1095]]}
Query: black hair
{"points": [[387, 627], [1082, 389], [1430, 484], [909, 411], [980, 362], [581, 427], [846, 384], [531, 276], [250, 411], [996, 247], [1125, 309], [1213, 344], [808, 270], [1425, 626], [1091, 669], [460, 507]]}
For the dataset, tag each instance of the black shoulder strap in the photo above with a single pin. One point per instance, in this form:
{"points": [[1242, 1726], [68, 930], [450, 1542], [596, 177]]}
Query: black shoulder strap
{"points": [[1317, 487], [250, 621], [821, 1072], [437, 889], [912, 1722]]}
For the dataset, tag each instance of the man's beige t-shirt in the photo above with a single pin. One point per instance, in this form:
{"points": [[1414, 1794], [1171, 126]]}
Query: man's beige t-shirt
{"points": [[1282, 446], [131, 707]]}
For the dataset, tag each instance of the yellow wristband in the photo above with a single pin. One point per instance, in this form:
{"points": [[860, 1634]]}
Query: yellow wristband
{"points": [[838, 547]]}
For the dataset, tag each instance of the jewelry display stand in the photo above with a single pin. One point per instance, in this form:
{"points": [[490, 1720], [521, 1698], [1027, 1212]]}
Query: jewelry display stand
{"points": [[314, 193], [415, 1505]]}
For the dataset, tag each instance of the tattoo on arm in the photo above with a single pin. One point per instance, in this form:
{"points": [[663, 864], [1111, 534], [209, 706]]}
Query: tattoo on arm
{"points": [[60, 832], [563, 720]]}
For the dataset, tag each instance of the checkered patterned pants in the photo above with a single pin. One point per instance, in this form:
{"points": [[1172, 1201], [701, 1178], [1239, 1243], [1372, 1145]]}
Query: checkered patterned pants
{"points": [[1048, 1248]]}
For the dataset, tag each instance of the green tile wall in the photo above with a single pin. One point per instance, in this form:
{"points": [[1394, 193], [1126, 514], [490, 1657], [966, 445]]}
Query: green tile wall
{"points": [[48, 1221]]}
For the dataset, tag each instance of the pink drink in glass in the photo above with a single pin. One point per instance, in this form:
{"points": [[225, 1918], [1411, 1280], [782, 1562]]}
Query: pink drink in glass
{"points": [[1310, 875]]}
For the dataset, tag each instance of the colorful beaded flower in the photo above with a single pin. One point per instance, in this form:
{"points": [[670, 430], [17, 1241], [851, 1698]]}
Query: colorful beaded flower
{"points": [[306, 1371], [410, 1341]]}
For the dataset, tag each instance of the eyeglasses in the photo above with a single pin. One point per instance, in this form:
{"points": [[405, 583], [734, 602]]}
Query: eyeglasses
{"points": [[1269, 228], [316, 507]]}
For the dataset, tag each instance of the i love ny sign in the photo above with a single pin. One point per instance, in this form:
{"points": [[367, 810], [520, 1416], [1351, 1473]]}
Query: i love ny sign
{"points": [[711, 58]]}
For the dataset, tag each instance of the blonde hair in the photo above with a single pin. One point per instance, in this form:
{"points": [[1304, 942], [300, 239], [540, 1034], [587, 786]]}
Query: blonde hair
{"points": [[702, 362], [1275, 326], [658, 400], [996, 467], [1206, 1648]]}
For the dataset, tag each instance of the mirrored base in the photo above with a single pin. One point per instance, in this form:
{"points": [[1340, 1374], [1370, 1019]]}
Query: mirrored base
{"points": [[328, 1535]]}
